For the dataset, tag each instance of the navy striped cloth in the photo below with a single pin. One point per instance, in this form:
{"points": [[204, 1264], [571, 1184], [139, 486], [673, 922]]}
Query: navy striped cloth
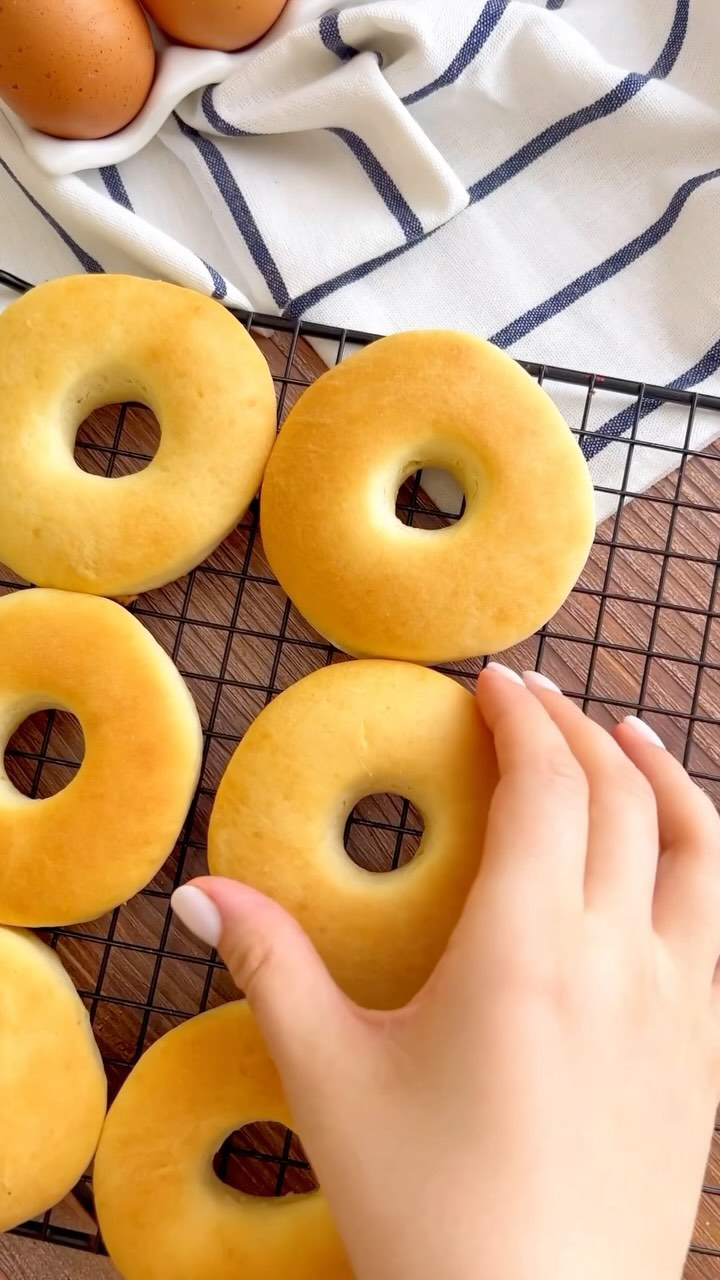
{"points": [[545, 173]]}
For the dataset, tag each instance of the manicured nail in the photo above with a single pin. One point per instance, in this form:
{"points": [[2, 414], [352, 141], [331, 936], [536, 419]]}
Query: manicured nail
{"points": [[197, 913], [500, 670], [643, 730], [540, 681]]}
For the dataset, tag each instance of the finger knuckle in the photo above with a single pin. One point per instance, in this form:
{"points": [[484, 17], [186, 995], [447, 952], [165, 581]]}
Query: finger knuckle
{"points": [[560, 772], [249, 962], [691, 802], [629, 782]]}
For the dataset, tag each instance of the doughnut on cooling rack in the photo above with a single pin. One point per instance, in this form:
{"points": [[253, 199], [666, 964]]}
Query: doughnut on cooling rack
{"points": [[639, 634]]}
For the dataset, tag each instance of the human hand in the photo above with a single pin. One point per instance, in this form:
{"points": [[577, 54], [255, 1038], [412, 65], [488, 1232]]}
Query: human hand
{"points": [[543, 1108]]}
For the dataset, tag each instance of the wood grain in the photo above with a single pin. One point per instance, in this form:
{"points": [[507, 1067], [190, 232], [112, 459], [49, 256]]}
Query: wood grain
{"points": [[237, 642], [30, 1260]]}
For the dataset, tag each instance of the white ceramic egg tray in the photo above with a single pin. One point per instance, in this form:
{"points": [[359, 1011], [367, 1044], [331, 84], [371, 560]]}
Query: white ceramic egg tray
{"points": [[180, 72]]}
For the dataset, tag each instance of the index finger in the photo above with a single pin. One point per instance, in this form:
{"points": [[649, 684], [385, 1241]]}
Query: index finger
{"points": [[537, 832]]}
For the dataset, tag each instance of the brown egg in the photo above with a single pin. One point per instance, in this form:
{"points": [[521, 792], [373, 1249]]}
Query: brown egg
{"points": [[75, 68], [215, 24]]}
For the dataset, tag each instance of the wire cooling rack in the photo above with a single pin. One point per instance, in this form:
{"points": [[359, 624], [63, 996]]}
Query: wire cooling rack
{"points": [[640, 633]]}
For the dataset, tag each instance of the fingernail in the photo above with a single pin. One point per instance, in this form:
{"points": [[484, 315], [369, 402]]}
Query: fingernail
{"points": [[198, 914], [541, 681], [500, 670], [643, 730]]}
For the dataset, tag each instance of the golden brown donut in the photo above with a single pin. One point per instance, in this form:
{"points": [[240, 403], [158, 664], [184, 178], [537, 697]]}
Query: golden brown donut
{"points": [[72, 345], [75, 855], [52, 1082], [163, 1213], [344, 732], [377, 588]]}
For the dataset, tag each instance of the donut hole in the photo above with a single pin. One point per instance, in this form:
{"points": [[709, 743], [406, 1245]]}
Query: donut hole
{"points": [[264, 1159], [117, 440], [383, 832], [431, 498], [44, 753]]}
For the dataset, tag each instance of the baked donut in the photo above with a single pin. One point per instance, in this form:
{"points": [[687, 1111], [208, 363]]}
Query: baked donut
{"points": [[52, 1082], [75, 855], [344, 732], [377, 588], [162, 1212], [72, 345]]}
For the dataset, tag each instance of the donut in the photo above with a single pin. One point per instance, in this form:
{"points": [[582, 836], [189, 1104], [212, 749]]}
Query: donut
{"points": [[344, 732], [52, 1082], [75, 855], [162, 1212], [375, 587], [72, 345]]}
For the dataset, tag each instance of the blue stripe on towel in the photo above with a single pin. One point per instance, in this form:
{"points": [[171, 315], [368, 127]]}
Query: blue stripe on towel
{"points": [[509, 168], [623, 421], [298, 306], [554, 4], [485, 25], [674, 43], [85, 259], [577, 289], [609, 103], [386, 188], [213, 118], [237, 204], [389, 193], [219, 285], [604, 271], [331, 38], [110, 175]]}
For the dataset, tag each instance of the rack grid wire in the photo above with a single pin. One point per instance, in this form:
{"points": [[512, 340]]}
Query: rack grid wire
{"points": [[639, 634]]}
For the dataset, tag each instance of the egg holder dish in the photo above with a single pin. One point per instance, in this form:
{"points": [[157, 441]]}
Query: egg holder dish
{"points": [[237, 642], [180, 71]]}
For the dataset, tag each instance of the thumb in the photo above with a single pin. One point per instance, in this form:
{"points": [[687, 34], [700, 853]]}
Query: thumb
{"points": [[301, 1012]]}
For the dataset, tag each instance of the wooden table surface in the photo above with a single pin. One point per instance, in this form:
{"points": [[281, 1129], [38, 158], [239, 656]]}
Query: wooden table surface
{"points": [[615, 670], [29, 1260]]}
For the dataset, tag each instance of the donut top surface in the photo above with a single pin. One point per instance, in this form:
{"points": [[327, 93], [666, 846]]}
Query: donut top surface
{"points": [[74, 855], [347, 731], [72, 345], [52, 1082], [163, 1212], [377, 588]]}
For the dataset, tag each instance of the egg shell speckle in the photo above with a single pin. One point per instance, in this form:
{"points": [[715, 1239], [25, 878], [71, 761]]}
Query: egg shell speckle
{"points": [[75, 68]]}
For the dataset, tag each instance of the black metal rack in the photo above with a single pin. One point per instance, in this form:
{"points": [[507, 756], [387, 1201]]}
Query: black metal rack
{"points": [[639, 634]]}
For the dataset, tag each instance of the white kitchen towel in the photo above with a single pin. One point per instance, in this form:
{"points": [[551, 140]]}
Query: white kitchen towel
{"points": [[545, 173]]}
